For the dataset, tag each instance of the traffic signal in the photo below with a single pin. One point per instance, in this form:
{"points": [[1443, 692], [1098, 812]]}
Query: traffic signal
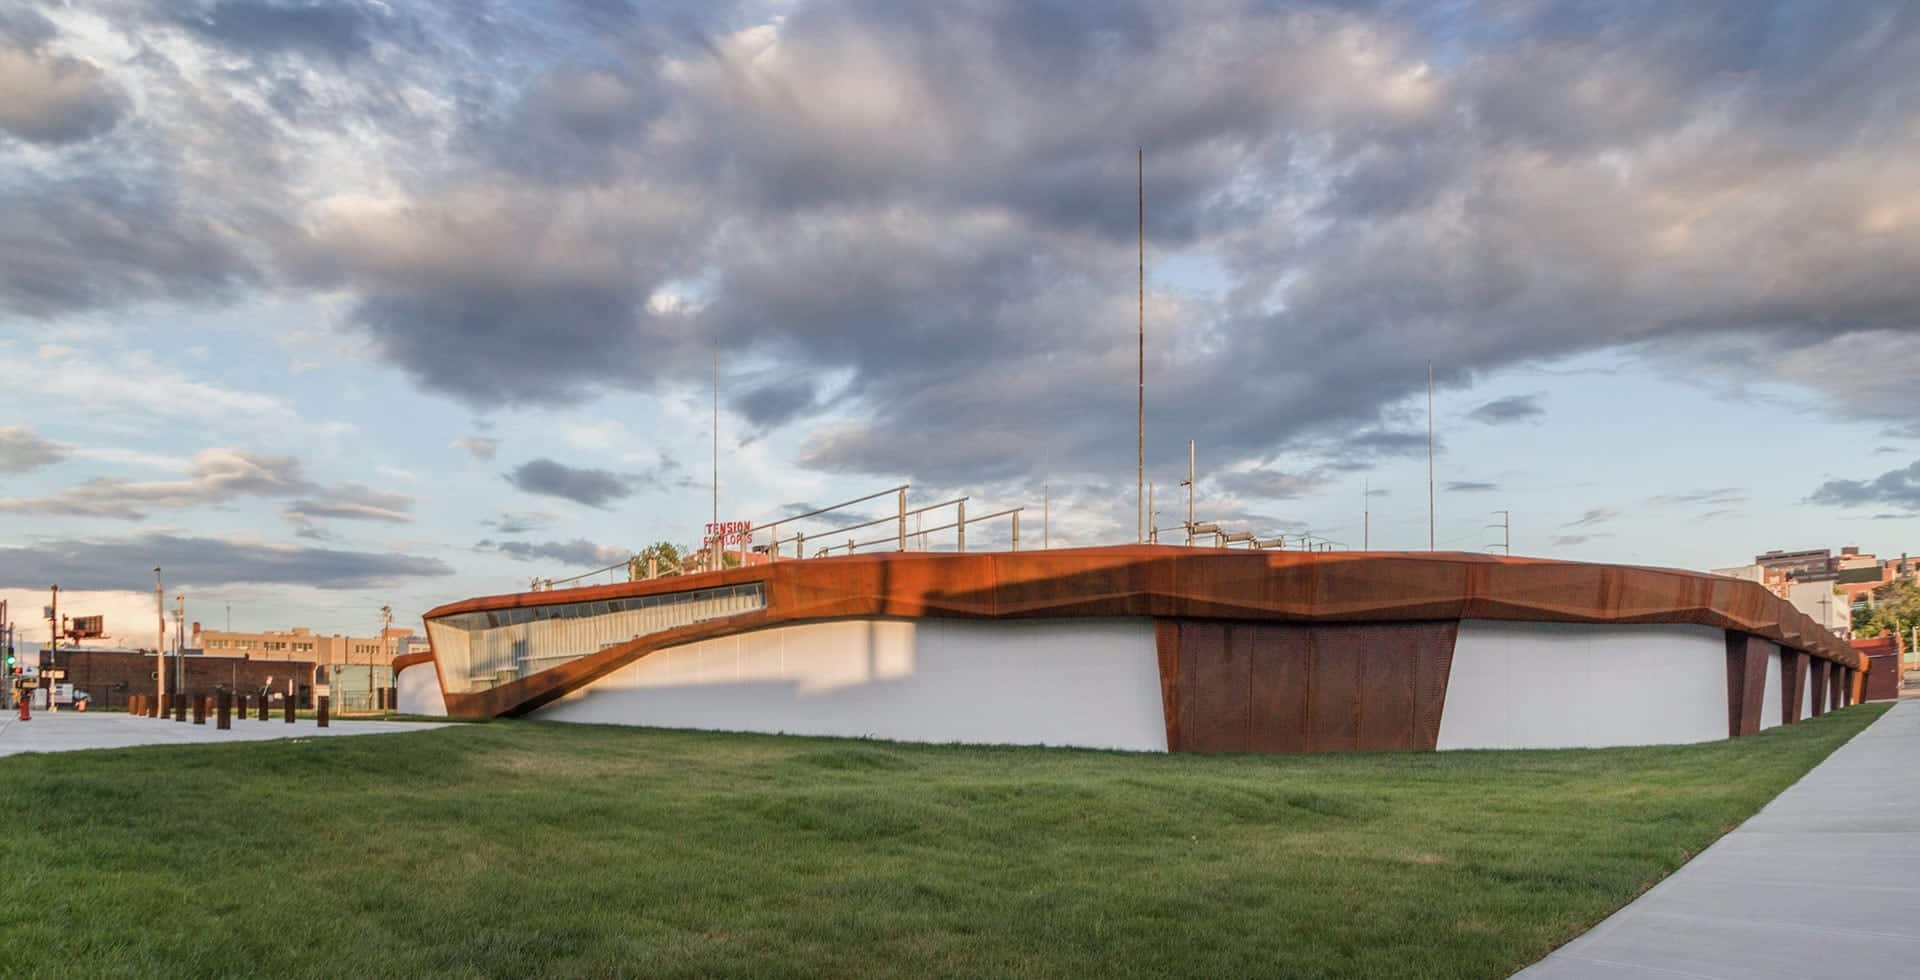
{"points": [[11, 659]]}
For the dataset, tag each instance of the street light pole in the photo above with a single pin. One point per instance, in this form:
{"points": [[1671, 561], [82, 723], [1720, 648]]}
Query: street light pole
{"points": [[159, 640]]}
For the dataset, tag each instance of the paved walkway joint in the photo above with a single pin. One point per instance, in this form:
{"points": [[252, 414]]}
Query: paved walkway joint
{"points": [[1822, 882]]}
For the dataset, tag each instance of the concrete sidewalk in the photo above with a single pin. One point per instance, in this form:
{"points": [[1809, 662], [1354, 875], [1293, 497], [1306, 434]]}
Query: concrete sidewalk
{"points": [[71, 730], [1822, 882]]}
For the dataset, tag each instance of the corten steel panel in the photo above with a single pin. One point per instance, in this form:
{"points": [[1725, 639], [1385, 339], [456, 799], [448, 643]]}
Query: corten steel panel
{"points": [[1817, 686], [1215, 689], [1174, 582], [1793, 685], [1746, 682], [1166, 645], [1435, 642], [1883, 678], [1282, 678], [1333, 702], [1388, 660]]}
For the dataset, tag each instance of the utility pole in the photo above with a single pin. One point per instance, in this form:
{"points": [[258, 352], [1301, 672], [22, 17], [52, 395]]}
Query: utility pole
{"points": [[180, 647], [1366, 515], [1506, 532], [386, 623], [1430, 536], [713, 550], [53, 645], [1153, 517], [160, 638], [1189, 485], [1141, 471], [1046, 518]]}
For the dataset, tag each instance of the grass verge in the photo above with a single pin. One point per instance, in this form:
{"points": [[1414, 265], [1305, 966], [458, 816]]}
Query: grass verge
{"points": [[522, 848]]}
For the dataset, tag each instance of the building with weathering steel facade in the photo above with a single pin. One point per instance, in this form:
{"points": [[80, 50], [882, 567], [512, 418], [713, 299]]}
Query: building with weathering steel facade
{"points": [[1151, 648]]}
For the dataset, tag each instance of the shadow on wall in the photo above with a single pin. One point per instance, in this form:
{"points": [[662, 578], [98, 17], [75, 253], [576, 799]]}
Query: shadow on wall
{"points": [[1087, 683]]}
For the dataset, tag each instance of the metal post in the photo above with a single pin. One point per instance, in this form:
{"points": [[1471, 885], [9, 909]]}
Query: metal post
{"points": [[1046, 517], [799, 544], [1430, 545], [320, 711], [1016, 530], [1190, 479], [960, 527], [289, 702], [1153, 531], [903, 520], [53, 647], [1139, 497], [223, 718], [160, 642]]}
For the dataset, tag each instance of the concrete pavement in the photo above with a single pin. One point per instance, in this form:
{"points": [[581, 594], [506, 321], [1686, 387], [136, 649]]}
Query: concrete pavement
{"points": [[70, 730], [1822, 882]]}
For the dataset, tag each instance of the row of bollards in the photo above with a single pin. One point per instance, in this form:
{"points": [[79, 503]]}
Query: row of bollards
{"points": [[221, 706]]}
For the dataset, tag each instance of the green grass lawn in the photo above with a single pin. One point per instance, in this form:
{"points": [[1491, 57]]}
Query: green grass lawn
{"points": [[522, 848]]}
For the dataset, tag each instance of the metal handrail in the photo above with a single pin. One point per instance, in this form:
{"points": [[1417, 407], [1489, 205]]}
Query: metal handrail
{"points": [[853, 546], [777, 542]]}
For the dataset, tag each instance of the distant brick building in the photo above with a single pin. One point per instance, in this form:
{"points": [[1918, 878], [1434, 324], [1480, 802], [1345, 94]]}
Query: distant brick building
{"points": [[110, 676]]}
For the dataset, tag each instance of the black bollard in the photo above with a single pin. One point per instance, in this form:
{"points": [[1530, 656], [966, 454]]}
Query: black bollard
{"points": [[289, 705], [320, 711], [179, 708], [223, 720], [199, 710], [264, 705]]}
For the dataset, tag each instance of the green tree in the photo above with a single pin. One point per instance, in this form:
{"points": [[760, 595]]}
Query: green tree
{"points": [[1896, 609]]}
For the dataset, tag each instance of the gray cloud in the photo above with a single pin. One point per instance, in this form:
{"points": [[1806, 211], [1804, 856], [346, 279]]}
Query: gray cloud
{"points": [[1596, 515], [55, 99], [481, 447], [592, 487], [577, 552], [771, 404], [936, 205], [21, 450], [1513, 408], [1886, 451], [518, 523], [1271, 484], [352, 502], [1470, 486], [1900, 488], [119, 563], [1721, 495], [338, 31], [217, 476], [1570, 540]]}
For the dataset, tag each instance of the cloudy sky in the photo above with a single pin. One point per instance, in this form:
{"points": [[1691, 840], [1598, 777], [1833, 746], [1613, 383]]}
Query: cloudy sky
{"points": [[332, 304]]}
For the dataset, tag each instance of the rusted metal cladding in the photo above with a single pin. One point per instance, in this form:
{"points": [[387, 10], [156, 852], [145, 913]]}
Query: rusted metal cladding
{"points": [[1883, 678], [1817, 686], [1278, 687], [1357, 589], [1746, 681], [1793, 685]]}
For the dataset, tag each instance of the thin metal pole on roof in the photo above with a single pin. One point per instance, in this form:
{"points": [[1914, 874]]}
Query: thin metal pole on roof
{"points": [[1140, 490], [713, 550], [1430, 544]]}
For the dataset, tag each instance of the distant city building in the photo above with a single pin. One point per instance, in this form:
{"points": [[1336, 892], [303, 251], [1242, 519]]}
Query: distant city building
{"points": [[1823, 585], [301, 643]]}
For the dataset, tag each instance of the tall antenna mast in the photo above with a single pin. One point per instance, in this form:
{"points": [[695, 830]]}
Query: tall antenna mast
{"points": [[713, 549], [1430, 455], [1366, 515], [1140, 488]]}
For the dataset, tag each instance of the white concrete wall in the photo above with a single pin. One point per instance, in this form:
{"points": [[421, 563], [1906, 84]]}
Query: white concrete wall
{"points": [[1566, 685], [1770, 708], [1083, 682], [416, 691]]}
